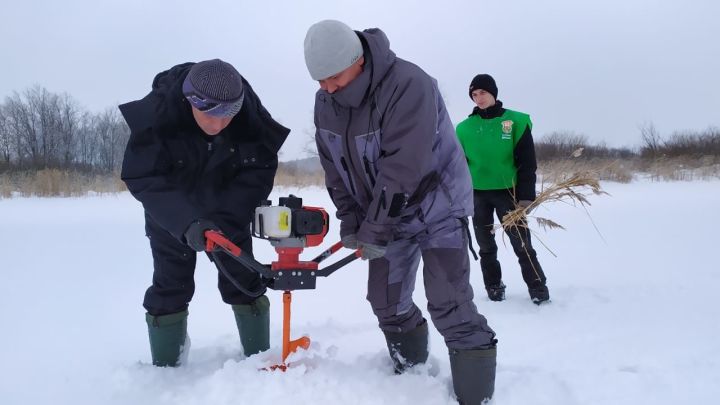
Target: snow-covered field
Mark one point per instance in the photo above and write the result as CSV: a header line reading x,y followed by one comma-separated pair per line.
x,y
634,317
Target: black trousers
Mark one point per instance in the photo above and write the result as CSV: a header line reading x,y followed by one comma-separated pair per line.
x,y
500,202
173,283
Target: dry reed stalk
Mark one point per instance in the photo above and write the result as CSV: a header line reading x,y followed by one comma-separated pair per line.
x,y
573,190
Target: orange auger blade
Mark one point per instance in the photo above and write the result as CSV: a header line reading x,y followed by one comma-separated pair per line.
x,y
289,346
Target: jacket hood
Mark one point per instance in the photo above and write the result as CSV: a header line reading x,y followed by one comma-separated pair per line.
x,y
164,107
378,61
381,57
171,108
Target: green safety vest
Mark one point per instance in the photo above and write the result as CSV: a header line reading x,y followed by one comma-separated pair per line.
x,y
489,146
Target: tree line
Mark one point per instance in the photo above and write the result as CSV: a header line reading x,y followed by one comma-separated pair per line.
x,y
44,130
692,144
40,129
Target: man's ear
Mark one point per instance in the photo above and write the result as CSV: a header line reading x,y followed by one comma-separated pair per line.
x,y
361,61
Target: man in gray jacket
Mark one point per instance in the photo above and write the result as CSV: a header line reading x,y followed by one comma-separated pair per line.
x,y
398,177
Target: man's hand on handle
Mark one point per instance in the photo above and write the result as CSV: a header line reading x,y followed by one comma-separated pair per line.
x,y
195,233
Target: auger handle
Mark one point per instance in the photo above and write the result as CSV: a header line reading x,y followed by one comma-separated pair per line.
x,y
217,241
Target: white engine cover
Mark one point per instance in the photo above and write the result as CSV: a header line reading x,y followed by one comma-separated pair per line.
x,y
276,221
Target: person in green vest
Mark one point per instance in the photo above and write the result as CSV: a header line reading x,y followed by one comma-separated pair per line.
x,y
500,152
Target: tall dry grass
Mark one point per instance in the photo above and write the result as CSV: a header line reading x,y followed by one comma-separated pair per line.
x,y
57,183
685,168
63,183
6,187
60,183
304,179
682,168
615,170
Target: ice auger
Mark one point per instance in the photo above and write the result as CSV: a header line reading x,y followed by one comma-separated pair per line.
x,y
290,227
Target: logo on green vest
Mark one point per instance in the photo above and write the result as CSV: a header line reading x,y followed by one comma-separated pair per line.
x,y
507,129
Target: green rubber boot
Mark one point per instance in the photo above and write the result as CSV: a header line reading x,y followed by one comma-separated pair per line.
x,y
408,349
473,375
168,338
253,322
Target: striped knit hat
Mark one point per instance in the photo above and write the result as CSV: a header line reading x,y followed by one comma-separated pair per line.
x,y
214,87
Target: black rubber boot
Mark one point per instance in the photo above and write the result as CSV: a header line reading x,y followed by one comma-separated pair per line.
x,y
473,375
409,348
253,323
168,338
539,294
496,292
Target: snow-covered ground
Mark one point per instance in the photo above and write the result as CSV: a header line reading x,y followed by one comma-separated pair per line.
x,y
634,317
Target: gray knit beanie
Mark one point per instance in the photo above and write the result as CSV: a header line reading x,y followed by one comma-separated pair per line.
x,y
330,47
214,87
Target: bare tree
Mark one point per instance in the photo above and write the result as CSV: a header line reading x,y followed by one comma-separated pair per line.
x,y
692,143
68,126
86,145
559,145
39,129
21,129
652,141
34,124
112,135
310,147
5,139
43,110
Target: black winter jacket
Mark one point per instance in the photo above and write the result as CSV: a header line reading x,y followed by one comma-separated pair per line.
x,y
180,174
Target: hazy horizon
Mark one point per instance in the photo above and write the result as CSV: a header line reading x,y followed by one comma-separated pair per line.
x,y
601,69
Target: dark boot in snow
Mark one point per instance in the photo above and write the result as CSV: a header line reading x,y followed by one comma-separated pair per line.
x,y
409,348
253,322
539,294
496,292
473,375
168,338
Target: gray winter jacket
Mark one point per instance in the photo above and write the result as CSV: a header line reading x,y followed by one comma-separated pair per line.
x,y
392,161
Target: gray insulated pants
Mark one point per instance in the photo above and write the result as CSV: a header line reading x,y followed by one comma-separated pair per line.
x,y
446,271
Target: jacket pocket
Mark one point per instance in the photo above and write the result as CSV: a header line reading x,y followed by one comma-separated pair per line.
x,y
368,148
333,143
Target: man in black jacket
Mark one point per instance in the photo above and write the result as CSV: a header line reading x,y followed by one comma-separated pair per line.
x,y
500,153
202,155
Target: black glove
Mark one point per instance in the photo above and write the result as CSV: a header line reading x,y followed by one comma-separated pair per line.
x,y
195,233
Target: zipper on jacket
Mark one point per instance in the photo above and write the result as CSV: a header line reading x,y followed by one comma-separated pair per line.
x,y
347,172
344,162
347,150
368,170
381,203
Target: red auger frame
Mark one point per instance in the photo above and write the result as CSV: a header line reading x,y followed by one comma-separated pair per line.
x,y
287,273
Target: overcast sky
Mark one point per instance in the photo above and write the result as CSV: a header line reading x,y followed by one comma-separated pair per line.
x,y
598,68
